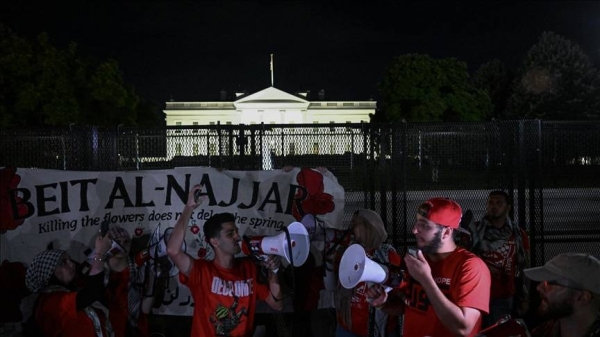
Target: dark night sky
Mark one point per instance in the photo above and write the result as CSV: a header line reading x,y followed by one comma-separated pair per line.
x,y
190,50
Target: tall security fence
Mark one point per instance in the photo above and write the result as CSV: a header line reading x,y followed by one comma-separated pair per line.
x,y
551,169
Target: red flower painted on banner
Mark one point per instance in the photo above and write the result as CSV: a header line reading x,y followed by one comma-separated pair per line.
x,y
315,201
9,180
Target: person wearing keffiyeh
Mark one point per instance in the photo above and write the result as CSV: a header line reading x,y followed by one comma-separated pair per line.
x,y
63,309
124,289
504,247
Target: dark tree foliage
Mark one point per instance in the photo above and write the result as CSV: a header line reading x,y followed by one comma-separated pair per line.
x,y
494,78
557,82
419,88
43,85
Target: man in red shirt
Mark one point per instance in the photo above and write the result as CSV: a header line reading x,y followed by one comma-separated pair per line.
x,y
448,287
225,289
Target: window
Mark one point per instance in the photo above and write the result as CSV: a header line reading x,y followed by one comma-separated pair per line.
x,y
195,124
331,128
196,149
315,148
212,149
178,149
178,124
292,149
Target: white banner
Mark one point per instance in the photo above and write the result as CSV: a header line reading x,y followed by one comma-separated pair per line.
x,y
65,208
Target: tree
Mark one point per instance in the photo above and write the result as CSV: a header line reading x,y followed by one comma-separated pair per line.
x,y
493,78
420,88
43,85
557,82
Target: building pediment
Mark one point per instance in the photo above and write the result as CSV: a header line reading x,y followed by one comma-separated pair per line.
x,y
272,98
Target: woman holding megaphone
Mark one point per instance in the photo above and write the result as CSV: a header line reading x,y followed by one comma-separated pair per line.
x,y
354,315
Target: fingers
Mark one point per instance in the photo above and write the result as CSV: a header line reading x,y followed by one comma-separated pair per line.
x,y
272,262
376,295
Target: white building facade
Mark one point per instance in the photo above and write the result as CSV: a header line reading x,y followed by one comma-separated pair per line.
x,y
268,106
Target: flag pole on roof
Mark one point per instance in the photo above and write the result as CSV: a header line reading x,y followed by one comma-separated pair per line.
x,y
272,80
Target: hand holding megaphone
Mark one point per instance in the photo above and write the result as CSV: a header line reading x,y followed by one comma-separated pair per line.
x,y
356,267
377,295
295,250
268,261
272,262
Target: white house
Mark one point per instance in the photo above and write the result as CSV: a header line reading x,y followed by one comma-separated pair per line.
x,y
268,106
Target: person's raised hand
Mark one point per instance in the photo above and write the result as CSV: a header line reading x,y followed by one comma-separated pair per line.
x,y
194,197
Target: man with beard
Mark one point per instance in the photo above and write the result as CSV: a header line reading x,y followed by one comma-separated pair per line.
x,y
225,290
448,286
570,296
504,247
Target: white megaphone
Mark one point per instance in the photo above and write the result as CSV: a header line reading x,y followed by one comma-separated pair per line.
x,y
157,248
278,244
356,267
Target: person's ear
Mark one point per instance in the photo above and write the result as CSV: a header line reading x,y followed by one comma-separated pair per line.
x,y
214,242
585,296
447,232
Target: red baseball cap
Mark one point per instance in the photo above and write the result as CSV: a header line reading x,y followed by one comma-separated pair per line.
x,y
442,211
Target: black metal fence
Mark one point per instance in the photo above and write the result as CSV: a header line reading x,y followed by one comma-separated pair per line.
x,y
551,169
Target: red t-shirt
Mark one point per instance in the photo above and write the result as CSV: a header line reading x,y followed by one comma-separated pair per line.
x,y
118,306
56,315
359,307
502,263
224,299
463,278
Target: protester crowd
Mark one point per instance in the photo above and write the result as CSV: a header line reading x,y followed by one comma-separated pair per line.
x,y
463,278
